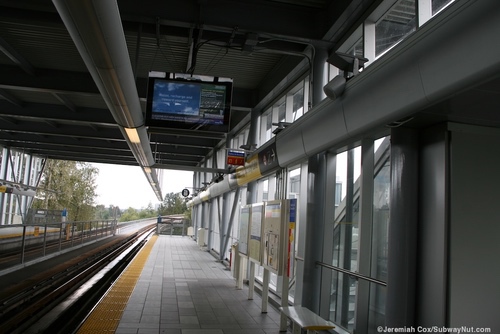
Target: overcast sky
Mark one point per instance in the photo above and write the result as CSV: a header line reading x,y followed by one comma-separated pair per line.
x,y
127,186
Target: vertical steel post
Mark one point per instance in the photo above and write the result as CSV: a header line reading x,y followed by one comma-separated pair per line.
x,y
346,239
365,233
81,236
23,243
44,238
231,218
72,233
314,233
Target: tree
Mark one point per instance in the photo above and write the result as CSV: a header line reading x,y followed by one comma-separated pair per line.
x,y
103,213
148,212
172,204
129,215
70,185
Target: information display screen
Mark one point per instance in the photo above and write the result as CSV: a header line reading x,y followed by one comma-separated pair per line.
x,y
188,102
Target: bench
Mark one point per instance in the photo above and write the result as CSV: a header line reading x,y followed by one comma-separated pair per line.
x,y
302,317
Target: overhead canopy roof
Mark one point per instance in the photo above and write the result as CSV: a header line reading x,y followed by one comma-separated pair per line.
x,y
51,106
56,87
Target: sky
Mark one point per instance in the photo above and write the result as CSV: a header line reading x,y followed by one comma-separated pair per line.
x,y
127,186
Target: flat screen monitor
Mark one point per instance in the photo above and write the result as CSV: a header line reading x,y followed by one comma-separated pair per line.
x,y
183,101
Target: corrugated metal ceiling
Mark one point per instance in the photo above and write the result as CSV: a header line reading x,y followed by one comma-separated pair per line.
x,y
58,112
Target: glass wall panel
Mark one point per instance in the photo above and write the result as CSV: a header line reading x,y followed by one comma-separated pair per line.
x,y
438,5
399,21
294,183
298,104
282,112
381,204
266,124
265,189
269,125
357,49
353,45
345,238
376,315
343,300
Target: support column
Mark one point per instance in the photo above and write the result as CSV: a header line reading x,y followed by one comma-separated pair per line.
x,y
202,217
25,201
314,233
311,290
3,175
223,224
234,208
196,208
433,229
253,138
402,248
212,205
301,232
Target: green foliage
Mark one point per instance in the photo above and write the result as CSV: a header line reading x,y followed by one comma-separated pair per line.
x,y
172,204
70,185
134,214
130,214
148,212
103,213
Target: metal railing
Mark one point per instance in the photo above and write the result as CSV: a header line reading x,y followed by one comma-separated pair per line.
x,y
21,243
351,273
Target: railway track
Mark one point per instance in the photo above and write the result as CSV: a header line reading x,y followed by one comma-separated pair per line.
x,y
21,311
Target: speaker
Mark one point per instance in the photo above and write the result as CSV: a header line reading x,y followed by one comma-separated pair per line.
x,y
335,87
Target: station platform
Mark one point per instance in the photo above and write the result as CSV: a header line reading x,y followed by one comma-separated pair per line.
x,y
174,287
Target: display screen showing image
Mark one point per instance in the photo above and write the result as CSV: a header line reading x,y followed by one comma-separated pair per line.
x,y
188,104
176,98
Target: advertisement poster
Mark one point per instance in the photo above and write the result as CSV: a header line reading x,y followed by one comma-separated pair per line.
x,y
257,165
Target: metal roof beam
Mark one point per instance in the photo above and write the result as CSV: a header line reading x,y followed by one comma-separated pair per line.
x,y
50,81
64,100
11,98
16,58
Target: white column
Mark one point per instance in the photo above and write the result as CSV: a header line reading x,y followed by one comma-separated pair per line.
x,y
369,41
424,11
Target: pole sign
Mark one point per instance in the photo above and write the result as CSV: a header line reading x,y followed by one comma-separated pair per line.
x,y
235,158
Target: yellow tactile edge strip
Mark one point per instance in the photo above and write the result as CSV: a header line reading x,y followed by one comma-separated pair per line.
x,y
107,314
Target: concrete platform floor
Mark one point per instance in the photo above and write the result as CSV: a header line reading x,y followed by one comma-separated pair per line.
x,y
184,290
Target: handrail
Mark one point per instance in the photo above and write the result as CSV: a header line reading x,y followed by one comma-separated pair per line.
x,y
351,273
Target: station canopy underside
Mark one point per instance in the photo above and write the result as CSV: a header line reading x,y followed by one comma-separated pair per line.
x,y
50,104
